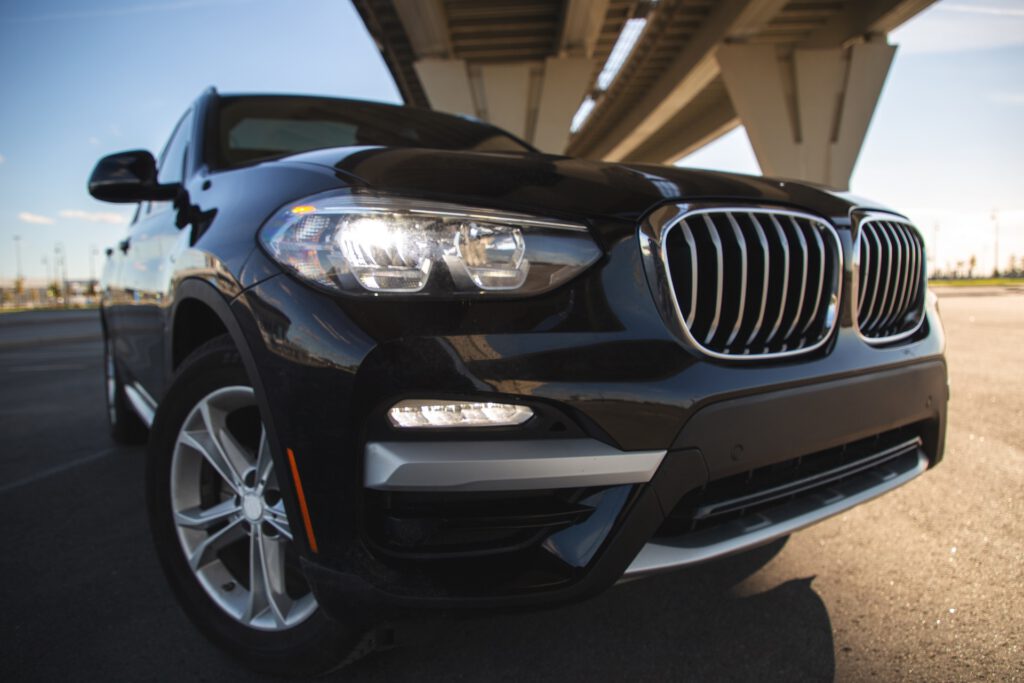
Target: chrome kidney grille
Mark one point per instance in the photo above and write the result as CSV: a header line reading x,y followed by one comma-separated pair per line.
x,y
746,283
890,279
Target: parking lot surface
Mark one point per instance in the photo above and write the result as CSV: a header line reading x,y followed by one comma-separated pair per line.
x,y
926,583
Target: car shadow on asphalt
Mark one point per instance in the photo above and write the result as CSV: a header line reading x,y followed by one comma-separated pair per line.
x,y
687,625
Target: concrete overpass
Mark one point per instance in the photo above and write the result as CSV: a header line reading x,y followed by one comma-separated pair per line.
x,y
652,80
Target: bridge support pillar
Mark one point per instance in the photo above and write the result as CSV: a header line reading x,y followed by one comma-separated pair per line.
x,y
806,110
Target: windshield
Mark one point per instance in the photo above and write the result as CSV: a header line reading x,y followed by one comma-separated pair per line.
x,y
264,127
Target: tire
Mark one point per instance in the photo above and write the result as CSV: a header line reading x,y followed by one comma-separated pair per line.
x,y
215,508
126,427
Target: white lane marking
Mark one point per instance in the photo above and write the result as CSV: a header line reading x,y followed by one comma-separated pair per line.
x,y
58,469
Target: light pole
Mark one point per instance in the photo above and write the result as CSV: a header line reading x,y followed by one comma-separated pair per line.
x,y
17,255
995,230
56,271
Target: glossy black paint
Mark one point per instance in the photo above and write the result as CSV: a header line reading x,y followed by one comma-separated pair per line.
x,y
594,356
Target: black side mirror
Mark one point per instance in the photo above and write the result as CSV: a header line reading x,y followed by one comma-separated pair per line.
x,y
129,177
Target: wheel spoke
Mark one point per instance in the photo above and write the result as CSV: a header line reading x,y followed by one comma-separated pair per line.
x,y
274,564
207,550
278,518
232,452
267,578
199,518
264,461
201,443
258,603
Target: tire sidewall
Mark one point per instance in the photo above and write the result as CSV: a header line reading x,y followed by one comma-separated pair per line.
x,y
314,645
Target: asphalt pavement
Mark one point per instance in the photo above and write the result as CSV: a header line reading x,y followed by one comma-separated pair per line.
x,y
926,583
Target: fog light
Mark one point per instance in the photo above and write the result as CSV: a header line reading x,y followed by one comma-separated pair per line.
x,y
442,414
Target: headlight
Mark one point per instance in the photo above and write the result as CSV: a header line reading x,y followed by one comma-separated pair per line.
x,y
361,244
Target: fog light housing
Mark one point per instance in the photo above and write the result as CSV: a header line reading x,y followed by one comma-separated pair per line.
x,y
448,414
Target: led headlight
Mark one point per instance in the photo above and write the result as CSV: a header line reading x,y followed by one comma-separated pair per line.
x,y
361,244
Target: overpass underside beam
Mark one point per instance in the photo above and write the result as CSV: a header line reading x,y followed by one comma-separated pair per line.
x,y
806,110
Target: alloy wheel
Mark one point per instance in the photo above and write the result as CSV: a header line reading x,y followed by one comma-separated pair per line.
x,y
229,515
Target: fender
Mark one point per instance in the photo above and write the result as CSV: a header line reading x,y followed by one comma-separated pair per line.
x,y
196,289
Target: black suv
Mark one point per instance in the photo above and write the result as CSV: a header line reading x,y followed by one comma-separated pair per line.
x,y
390,359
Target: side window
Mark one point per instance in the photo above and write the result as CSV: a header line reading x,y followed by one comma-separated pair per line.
x,y
171,165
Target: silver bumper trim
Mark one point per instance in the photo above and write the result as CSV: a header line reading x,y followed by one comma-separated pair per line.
x,y
503,465
747,532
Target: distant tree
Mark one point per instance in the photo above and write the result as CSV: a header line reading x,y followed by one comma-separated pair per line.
x,y
970,266
1013,265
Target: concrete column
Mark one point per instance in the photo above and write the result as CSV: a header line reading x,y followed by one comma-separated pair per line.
x,y
806,111
507,89
446,82
565,82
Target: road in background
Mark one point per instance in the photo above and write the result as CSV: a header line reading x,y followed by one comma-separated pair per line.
x,y
922,584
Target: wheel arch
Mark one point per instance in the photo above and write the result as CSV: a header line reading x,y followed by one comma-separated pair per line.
x,y
197,299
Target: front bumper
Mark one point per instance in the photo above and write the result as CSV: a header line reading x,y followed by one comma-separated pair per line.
x,y
652,433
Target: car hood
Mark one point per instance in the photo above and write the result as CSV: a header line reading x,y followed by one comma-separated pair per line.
x,y
563,186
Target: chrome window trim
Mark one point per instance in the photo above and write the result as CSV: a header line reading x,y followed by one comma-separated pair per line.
x,y
653,235
860,218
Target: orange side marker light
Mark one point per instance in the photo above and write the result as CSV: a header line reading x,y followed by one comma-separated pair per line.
x,y
302,502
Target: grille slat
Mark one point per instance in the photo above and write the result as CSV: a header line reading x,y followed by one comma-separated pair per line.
x,y
865,264
688,235
716,240
784,242
876,304
754,283
903,274
890,291
820,284
743,269
897,271
764,280
805,271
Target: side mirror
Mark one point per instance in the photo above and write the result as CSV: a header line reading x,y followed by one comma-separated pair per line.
x,y
129,177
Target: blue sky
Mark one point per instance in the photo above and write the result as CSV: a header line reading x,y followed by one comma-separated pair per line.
x,y
80,80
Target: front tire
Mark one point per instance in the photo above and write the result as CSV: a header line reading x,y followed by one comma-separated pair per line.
x,y
220,528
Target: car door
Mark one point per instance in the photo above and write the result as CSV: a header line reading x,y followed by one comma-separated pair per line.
x,y
114,290
145,272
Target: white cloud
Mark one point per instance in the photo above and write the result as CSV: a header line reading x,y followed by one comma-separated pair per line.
x,y
35,218
2,158
985,9
93,140
94,216
963,26
1016,98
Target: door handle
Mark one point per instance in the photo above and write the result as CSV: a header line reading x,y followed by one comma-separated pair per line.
x,y
124,244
